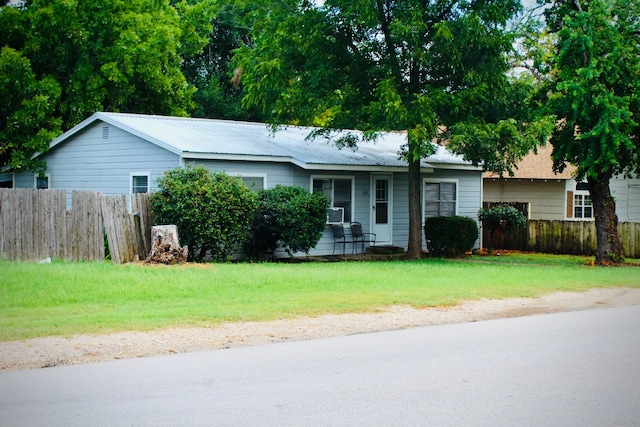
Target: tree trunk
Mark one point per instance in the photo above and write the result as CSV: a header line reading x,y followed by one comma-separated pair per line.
x,y
610,248
414,249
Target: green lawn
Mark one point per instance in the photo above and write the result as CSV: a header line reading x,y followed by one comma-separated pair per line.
x,y
70,298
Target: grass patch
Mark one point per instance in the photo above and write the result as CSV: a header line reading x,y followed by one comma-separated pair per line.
x,y
71,298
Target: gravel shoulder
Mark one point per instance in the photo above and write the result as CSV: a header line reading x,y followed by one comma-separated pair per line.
x,y
55,351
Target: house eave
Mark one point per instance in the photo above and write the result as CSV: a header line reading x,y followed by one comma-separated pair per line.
x,y
300,164
363,168
451,166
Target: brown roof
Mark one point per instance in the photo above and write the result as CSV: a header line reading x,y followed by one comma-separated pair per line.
x,y
537,166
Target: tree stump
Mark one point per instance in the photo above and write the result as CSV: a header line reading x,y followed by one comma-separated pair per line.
x,y
165,247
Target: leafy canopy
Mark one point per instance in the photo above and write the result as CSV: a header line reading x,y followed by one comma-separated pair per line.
x,y
595,89
64,60
415,66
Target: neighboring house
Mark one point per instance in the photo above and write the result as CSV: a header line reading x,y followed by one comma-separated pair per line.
x,y
126,153
550,196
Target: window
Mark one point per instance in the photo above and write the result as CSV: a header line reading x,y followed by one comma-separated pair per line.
x,y
42,182
255,183
579,204
139,183
339,192
582,206
439,199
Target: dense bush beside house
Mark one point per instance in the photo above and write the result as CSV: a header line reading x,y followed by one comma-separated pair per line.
x,y
450,236
500,218
287,216
212,211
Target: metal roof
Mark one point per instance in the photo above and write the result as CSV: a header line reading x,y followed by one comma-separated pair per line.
x,y
224,139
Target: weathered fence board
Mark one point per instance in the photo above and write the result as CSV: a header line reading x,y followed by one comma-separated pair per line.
x,y
141,208
566,237
35,224
123,231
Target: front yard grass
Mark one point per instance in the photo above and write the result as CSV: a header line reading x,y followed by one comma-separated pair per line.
x,y
73,298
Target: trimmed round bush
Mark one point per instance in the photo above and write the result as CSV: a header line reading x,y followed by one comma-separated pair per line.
x,y
450,236
499,218
287,216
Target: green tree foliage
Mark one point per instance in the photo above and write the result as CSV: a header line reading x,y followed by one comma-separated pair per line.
x,y
500,218
594,90
80,57
287,216
28,116
450,236
220,28
389,65
213,211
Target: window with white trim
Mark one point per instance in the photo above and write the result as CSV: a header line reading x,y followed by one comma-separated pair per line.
x,y
139,183
255,183
579,204
339,192
42,182
582,205
440,198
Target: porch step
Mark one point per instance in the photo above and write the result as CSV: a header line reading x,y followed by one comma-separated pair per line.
x,y
385,250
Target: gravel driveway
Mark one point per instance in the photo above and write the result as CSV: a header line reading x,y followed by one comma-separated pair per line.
x,y
54,351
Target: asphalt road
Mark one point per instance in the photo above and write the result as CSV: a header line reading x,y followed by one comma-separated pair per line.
x,y
567,369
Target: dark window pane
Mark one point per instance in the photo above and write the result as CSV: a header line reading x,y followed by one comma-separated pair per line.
x,y
42,183
140,184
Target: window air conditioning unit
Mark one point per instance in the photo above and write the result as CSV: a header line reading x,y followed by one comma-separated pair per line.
x,y
335,215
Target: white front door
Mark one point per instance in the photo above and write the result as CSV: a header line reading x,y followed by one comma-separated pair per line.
x,y
381,209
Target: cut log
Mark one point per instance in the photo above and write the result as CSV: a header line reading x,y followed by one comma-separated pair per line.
x,y
165,246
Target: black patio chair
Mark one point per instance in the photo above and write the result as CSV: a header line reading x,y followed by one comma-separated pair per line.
x,y
360,237
339,237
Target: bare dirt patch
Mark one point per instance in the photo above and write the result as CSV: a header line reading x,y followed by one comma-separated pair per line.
x,y
55,351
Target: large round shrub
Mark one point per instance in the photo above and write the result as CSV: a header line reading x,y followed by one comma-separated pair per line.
x,y
450,236
287,216
213,211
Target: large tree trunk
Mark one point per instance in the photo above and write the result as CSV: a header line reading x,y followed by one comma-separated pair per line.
x,y
414,249
610,248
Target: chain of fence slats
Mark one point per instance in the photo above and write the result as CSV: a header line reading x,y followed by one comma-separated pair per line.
x,y
35,225
565,237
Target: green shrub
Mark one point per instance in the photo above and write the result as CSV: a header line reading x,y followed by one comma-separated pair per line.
x,y
500,218
450,236
287,216
213,211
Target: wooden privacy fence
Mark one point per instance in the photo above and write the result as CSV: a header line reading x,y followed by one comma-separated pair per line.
x,y
565,237
35,225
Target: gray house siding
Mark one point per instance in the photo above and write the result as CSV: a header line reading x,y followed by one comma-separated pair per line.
x,y
361,201
94,163
24,180
274,173
469,199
